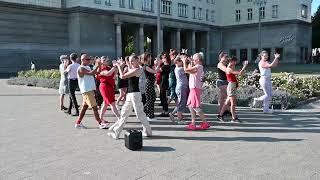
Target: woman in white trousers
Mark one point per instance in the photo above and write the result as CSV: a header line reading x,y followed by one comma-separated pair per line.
x,y
133,100
265,79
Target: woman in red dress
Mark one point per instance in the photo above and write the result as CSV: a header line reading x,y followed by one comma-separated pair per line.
x,y
106,77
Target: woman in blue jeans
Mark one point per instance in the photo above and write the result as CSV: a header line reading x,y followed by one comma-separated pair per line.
x,y
182,91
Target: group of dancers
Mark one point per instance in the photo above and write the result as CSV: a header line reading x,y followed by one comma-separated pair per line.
x,y
177,76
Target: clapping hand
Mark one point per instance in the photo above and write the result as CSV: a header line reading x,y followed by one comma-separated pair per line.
x,y
98,62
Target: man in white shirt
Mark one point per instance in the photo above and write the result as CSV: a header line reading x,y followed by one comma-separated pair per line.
x,y
73,83
87,86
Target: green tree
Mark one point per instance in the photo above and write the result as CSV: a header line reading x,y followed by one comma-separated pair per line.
x,y
129,45
316,29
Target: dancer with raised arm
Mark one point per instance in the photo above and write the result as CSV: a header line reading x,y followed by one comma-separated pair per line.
x,y
87,86
265,80
222,82
133,100
106,76
231,101
182,91
195,69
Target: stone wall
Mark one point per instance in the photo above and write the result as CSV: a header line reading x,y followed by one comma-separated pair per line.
x,y
28,34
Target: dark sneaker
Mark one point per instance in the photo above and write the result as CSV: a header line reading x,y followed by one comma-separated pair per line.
x,y
220,118
164,115
227,113
236,120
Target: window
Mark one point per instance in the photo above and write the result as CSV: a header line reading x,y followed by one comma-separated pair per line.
x,y
212,1
97,1
207,14
262,12
166,7
250,14
243,55
200,13
249,0
304,11
182,10
254,55
275,11
131,4
107,3
122,3
238,1
212,16
194,12
147,5
238,15
233,53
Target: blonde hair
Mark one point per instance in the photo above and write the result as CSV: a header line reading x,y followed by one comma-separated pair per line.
x,y
262,52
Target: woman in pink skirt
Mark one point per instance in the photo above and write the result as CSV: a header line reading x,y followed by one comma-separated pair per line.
x,y
195,69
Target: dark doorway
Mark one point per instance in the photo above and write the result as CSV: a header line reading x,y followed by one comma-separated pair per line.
x,y
243,55
254,55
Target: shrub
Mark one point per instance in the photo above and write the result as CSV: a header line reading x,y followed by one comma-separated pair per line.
x,y
289,89
45,74
34,81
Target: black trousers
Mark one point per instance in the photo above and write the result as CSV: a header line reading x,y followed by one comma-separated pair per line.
x,y
143,99
73,85
163,98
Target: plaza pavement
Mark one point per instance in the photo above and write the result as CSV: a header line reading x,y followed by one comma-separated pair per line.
x,y
37,141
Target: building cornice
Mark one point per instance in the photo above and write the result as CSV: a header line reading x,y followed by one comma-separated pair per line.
x,y
32,7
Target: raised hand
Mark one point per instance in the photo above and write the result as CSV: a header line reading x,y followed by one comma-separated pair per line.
x,y
276,56
245,63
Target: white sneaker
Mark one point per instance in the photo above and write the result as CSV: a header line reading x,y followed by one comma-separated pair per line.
x,y
146,135
103,125
172,118
112,126
182,122
153,119
80,126
269,111
113,135
254,102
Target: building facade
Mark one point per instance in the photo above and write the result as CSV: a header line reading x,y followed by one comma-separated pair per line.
x,y
41,30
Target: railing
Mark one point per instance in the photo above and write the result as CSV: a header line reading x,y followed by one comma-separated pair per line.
x,y
46,3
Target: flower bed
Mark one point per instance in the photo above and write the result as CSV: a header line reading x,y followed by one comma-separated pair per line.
x,y
41,78
288,89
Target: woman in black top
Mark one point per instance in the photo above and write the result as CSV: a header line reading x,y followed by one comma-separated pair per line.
x,y
164,85
222,82
122,84
150,81
133,100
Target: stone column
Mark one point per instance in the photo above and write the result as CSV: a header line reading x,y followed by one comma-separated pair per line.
x,y
249,56
161,39
208,48
238,54
178,43
141,39
193,42
118,40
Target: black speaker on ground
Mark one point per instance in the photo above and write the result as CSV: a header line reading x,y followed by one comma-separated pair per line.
x,y
133,140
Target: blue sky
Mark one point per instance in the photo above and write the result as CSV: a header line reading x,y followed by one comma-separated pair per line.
x,y
315,5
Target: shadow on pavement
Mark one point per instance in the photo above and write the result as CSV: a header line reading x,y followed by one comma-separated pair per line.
x,y
157,149
248,139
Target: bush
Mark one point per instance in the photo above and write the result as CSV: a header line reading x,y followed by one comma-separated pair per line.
x,y
34,81
44,74
289,89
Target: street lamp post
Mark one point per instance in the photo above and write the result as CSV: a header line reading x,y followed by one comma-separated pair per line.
x,y
259,4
